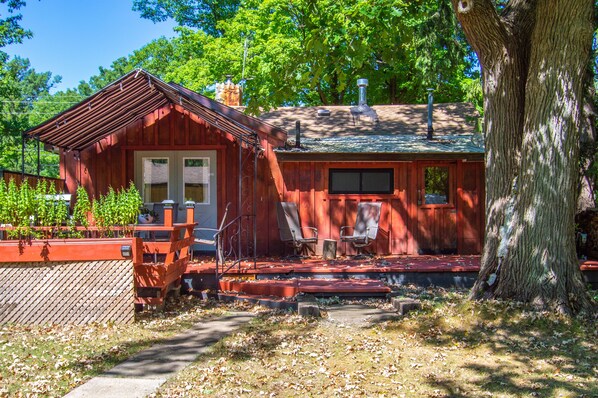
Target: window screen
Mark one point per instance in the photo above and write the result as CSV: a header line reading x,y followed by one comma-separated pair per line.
x,y
196,179
361,181
155,179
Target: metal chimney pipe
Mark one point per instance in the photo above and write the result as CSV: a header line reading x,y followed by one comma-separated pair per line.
x,y
430,113
298,134
362,84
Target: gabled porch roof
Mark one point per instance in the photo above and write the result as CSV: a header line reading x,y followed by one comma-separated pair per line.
x,y
132,97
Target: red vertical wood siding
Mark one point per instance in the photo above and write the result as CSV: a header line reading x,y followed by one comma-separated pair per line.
x,y
404,227
470,207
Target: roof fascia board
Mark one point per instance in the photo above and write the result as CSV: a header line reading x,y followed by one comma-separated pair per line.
x,y
375,157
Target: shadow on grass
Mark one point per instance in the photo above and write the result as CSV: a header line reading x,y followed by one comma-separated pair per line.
x,y
546,354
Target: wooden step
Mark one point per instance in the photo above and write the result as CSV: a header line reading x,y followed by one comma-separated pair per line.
x,y
292,287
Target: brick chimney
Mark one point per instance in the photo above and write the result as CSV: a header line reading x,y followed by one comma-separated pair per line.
x,y
229,93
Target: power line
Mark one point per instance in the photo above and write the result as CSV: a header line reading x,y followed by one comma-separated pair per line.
x,y
29,113
40,102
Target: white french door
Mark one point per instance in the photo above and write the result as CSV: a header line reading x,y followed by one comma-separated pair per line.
x,y
180,176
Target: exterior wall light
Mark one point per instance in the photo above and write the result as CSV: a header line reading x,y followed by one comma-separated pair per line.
x,y
126,251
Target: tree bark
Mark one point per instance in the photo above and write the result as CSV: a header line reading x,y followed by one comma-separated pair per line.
x,y
533,55
587,181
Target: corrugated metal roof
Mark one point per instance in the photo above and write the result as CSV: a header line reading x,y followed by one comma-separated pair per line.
x,y
134,96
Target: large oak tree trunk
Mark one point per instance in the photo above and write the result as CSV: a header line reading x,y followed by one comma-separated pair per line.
x,y
533,56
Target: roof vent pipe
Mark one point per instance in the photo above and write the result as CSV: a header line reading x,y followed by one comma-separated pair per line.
x,y
430,113
362,84
298,134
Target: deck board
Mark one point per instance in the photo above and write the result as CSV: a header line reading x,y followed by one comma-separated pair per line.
x,y
348,265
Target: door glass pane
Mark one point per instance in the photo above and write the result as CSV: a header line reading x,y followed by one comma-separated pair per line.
x,y
196,179
155,179
436,185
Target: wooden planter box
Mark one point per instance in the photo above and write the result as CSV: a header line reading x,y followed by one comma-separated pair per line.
x,y
67,281
90,279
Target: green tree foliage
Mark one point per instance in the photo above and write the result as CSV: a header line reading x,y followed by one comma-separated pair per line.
x,y
308,52
311,52
20,87
11,31
202,14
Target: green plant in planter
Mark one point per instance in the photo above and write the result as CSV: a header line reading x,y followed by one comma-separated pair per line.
x,y
129,201
26,208
104,212
82,208
44,207
19,206
4,209
117,208
59,213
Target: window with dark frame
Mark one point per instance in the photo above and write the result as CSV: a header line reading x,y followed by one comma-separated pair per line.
x,y
361,181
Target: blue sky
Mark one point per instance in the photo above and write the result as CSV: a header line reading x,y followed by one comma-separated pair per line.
x,y
73,38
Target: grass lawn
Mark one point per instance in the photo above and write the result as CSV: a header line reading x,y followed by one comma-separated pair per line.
x,y
49,361
452,347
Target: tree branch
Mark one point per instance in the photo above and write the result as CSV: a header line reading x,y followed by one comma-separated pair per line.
x,y
483,27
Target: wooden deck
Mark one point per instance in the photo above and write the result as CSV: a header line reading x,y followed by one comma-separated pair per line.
x,y
206,265
286,278
371,277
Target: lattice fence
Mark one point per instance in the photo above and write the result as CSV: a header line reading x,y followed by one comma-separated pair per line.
x,y
67,292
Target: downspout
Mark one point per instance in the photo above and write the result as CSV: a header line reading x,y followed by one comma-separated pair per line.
x,y
255,157
240,199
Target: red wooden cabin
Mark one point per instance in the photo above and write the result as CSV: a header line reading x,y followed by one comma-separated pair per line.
x,y
176,144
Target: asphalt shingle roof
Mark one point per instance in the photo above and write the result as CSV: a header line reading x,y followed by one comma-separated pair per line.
x,y
393,129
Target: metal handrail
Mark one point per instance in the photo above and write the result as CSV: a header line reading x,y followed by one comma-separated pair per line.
x,y
234,237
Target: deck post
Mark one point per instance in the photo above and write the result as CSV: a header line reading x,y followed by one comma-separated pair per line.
x,y
168,210
190,217
190,220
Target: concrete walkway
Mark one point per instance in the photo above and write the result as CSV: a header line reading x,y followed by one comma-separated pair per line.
x,y
145,371
358,314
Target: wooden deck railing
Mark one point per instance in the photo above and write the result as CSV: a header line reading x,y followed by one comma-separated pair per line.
x,y
160,253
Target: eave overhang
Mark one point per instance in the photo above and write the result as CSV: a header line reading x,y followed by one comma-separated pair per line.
x,y
134,96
